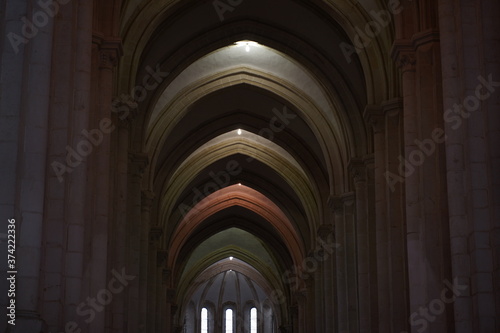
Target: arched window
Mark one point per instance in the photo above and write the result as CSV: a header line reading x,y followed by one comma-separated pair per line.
x,y
229,321
253,320
204,320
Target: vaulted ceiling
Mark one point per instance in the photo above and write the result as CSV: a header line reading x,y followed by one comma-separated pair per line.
x,y
252,127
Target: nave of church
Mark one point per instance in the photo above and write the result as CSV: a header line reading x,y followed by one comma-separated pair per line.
x,y
250,166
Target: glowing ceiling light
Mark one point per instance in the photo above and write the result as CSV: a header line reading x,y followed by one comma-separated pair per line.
x,y
239,131
230,258
239,184
247,44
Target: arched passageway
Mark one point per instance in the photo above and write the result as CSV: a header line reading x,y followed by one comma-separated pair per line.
x,y
252,166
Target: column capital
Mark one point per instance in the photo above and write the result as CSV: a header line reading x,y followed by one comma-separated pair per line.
x,y
403,54
107,59
374,115
369,161
125,108
348,198
171,299
138,163
324,231
165,276
155,234
423,38
110,50
357,169
161,258
147,200
335,203
393,107
123,124
301,295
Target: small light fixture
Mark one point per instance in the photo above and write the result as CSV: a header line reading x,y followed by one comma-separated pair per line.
x,y
247,44
239,131
230,258
239,184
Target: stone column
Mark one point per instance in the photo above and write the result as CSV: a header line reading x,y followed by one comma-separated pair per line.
x,y
375,116
147,201
348,200
319,295
396,217
369,164
358,172
119,239
166,302
76,215
341,272
303,323
12,61
172,307
32,160
100,136
161,299
294,318
154,244
137,164
471,96
55,242
327,257
424,172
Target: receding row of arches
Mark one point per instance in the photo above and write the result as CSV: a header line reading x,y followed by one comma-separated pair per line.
x,y
247,139
250,160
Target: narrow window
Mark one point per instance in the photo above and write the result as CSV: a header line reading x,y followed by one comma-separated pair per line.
x,y
204,320
229,321
253,320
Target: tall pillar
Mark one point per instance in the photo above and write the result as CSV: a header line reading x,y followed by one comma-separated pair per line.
x,y
348,200
171,306
119,239
358,172
107,52
165,302
471,98
369,164
31,163
76,272
329,297
341,273
396,218
424,168
55,239
147,201
375,117
319,297
137,164
154,244
161,300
